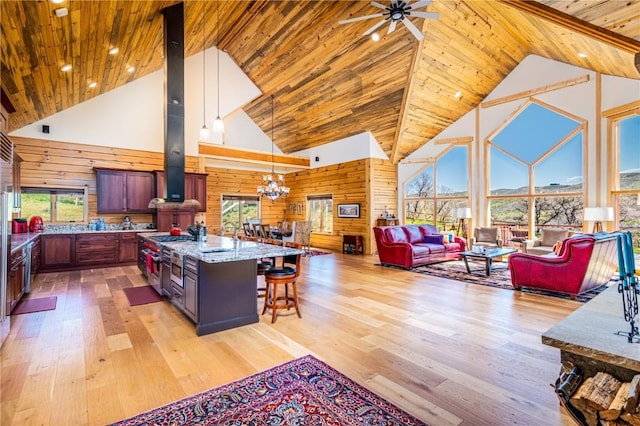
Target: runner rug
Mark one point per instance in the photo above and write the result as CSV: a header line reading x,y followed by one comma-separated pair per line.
x,y
305,391
500,278
141,295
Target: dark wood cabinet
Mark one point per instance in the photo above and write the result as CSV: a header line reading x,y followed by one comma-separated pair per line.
x,y
195,188
352,244
16,279
36,256
97,249
58,250
128,251
124,191
167,217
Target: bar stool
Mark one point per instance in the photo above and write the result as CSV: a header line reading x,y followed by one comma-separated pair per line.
x,y
282,276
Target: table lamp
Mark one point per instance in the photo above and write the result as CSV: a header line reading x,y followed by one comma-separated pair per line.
x,y
597,215
462,213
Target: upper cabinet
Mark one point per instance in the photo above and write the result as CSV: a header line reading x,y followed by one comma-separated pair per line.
x,y
124,191
195,188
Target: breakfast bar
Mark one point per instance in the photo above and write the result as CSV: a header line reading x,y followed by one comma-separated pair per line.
x,y
219,280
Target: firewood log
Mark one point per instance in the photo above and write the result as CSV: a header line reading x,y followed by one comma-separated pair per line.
x,y
604,390
579,398
617,405
631,406
632,419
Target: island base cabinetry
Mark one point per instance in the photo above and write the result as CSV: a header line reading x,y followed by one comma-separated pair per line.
x,y
226,295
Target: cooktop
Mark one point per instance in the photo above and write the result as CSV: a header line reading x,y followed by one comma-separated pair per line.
x,y
170,238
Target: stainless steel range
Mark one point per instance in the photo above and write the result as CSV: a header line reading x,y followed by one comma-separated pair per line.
x,y
153,255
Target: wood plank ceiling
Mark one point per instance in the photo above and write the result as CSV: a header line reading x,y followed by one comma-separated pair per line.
x,y
329,82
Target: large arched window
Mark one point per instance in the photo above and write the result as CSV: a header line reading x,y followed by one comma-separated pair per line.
x,y
535,169
439,188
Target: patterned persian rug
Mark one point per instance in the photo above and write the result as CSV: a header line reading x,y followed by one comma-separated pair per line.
x,y
305,391
500,278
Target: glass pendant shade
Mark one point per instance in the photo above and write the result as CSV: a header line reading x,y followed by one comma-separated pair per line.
x,y
218,125
204,133
273,188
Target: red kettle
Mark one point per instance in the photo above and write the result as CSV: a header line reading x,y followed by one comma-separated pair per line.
x,y
36,224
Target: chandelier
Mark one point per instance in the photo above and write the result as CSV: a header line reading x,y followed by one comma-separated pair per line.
x,y
272,185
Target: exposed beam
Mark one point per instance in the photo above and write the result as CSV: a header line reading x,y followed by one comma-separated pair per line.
x,y
537,91
463,140
415,60
418,160
577,25
235,154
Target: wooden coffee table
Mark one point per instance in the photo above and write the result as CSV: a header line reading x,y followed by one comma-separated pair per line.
x,y
487,256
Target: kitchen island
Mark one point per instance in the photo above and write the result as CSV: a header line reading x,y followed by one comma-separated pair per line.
x,y
219,288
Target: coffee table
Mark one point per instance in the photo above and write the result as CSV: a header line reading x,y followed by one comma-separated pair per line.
x,y
487,256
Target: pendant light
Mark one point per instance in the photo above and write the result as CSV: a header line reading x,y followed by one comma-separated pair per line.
x,y
218,124
204,131
272,186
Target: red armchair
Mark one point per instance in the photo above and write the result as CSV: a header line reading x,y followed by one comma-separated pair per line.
x,y
584,262
407,247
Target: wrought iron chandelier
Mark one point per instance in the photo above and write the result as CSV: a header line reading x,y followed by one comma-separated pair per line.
x,y
272,185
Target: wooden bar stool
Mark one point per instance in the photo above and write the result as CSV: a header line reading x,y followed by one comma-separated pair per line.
x,y
282,276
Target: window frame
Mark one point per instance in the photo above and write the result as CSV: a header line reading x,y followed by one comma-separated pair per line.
x,y
322,198
53,191
241,199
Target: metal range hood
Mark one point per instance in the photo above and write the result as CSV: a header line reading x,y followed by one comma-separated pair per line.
x,y
173,112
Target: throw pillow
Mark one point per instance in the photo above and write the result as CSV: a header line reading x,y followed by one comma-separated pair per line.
x,y
434,239
557,246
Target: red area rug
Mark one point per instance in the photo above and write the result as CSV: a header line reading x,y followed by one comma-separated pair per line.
x,y
141,295
305,391
28,306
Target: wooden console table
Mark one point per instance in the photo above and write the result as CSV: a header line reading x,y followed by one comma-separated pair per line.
x,y
382,221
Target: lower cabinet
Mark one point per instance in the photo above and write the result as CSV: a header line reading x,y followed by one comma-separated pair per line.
x,y
96,249
16,278
191,288
58,251
128,247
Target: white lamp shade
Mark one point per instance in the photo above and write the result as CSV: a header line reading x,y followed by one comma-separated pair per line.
x,y
218,125
462,213
598,214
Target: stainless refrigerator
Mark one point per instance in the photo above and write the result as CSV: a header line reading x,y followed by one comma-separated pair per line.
x,y
6,204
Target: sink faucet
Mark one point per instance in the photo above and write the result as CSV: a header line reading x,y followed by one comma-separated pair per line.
x,y
235,229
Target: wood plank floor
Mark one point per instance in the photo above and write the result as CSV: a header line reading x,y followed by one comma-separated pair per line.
x,y
448,352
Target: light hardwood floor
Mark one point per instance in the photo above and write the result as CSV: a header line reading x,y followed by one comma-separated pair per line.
x,y
448,352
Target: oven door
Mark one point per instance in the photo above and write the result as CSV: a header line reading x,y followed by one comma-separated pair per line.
x,y
153,267
177,269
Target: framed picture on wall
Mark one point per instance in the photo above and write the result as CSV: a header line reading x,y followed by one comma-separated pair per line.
x,y
348,210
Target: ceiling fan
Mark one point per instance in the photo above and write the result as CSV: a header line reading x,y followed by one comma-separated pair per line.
x,y
397,11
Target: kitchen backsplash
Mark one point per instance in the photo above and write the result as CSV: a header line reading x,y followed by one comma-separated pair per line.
x,y
84,227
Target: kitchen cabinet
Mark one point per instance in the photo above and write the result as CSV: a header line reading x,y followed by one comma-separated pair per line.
x,y
195,188
191,288
58,251
96,249
124,191
167,216
16,280
128,247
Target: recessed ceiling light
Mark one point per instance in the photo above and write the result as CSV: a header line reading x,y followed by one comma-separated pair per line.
x,y
65,67
375,36
57,1
92,84
113,50
582,55
458,94
63,11
131,69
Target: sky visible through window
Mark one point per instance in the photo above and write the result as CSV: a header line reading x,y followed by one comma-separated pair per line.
x,y
630,144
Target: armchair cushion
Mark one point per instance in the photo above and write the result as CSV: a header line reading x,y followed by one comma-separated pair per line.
x,y
550,236
487,234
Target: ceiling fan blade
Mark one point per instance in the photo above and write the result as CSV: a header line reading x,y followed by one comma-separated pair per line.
x,y
360,18
428,15
378,5
420,3
392,27
375,27
414,30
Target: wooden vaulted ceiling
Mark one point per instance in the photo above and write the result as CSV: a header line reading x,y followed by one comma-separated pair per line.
x,y
328,81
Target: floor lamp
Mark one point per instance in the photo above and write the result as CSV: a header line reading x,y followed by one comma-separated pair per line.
x,y
597,215
462,214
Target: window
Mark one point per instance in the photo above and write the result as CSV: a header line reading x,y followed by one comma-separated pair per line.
x,y
535,172
320,209
239,210
441,187
55,205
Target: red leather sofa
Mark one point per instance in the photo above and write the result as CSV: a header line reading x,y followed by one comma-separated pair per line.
x,y
583,262
408,246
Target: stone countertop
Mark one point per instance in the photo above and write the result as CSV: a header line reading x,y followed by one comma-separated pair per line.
x,y
590,332
20,240
222,249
